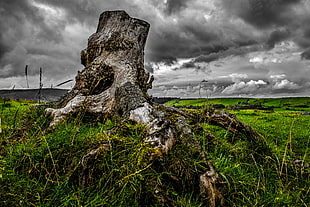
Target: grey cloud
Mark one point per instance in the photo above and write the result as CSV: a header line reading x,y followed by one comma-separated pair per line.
x,y
28,29
304,40
12,13
190,64
22,24
4,47
263,13
88,11
82,11
186,41
306,54
285,84
14,60
207,58
201,59
273,86
162,47
175,6
243,87
307,32
277,36
194,37
289,17
199,31
198,67
280,83
237,50
16,14
169,42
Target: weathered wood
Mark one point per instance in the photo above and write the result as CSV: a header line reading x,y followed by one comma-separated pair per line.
x,y
114,80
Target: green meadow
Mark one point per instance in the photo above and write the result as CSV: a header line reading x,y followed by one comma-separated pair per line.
x,y
42,168
279,104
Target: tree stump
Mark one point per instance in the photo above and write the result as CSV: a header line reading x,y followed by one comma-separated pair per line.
x,y
114,84
113,81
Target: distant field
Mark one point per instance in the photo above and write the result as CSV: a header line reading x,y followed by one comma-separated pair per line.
x,y
288,117
278,104
46,94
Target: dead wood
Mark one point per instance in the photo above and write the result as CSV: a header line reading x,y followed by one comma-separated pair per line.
x,y
114,85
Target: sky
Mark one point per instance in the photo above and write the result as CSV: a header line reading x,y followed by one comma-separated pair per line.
x,y
195,48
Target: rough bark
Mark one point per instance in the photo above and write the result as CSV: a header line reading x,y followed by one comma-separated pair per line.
x,y
113,80
114,84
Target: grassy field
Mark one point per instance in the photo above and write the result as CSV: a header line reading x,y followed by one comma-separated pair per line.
x,y
279,104
40,168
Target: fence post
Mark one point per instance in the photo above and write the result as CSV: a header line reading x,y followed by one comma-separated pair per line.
x,y
41,85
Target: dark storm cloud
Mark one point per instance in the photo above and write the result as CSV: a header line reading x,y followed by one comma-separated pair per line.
x,y
15,14
12,13
170,49
33,33
201,59
191,38
307,32
304,40
213,56
81,11
20,24
191,35
175,6
277,36
306,54
4,47
200,32
190,64
88,11
207,58
290,18
263,13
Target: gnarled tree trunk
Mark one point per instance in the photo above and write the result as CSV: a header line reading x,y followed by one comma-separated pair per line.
x,y
113,80
114,84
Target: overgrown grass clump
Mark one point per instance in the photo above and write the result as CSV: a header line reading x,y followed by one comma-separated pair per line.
x,y
44,168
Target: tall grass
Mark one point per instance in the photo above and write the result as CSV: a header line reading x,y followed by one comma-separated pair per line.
x,y
40,168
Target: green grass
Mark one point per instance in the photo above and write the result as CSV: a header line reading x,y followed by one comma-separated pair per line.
x,y
202,102
39,168
271,180
280,104
11,111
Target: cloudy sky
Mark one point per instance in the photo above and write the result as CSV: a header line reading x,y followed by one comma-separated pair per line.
x,y
214,48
